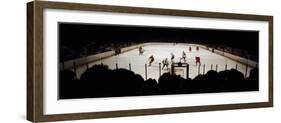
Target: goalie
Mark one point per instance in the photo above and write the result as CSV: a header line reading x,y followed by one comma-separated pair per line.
x,y
165,63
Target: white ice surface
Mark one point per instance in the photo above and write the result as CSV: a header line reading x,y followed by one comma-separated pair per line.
x,y
162,51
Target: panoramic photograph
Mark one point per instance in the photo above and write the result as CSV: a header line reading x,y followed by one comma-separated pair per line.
x,y
107,60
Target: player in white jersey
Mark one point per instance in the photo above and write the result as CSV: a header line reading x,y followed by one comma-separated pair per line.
x,y
151,60
183,56
172,57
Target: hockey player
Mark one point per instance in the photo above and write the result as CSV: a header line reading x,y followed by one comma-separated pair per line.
x,y
197,60
140,50
172,57
165,63
197,48
183,56
190,49
150,60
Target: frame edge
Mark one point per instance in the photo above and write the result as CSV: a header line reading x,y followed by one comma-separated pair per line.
x,y
157,111
270,67
145,10
30,85
35,63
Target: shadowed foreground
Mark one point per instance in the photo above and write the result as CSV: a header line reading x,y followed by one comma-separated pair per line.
x,y
100,81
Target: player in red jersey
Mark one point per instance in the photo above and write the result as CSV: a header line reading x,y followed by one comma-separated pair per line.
x,y
190,49
197,48
197,60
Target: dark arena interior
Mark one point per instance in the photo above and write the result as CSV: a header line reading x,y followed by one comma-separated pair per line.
x,y
79,41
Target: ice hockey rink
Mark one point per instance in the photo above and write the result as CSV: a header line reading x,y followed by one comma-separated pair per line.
x,y
135,62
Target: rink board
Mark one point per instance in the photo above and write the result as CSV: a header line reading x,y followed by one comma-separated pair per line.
x,y
131,59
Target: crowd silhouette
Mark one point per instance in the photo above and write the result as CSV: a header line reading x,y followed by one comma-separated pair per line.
x,y
100,81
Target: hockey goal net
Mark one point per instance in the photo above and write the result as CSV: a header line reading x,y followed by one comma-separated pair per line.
x,y
180,69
